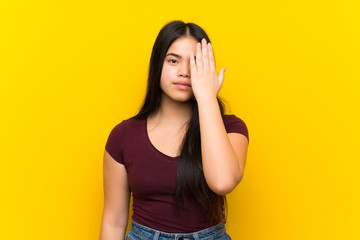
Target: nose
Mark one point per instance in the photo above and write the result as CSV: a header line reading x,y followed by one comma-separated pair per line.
x,y
184,70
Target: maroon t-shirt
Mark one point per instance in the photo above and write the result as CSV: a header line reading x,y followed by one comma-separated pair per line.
x,y
152,177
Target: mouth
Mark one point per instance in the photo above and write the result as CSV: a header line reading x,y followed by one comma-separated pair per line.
x,y
182,85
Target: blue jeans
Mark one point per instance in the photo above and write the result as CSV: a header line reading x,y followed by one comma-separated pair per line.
x,y
140,232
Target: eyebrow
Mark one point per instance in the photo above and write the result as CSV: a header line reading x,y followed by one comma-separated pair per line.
x,y
173,54
176,55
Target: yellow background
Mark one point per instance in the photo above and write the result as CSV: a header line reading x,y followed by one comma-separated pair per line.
x,y
71,70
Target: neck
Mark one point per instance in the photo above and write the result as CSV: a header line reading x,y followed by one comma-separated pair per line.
x,y
174,112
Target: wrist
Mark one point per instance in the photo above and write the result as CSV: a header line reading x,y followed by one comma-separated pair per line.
x,y
206,100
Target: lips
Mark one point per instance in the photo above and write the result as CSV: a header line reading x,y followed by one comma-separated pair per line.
x,y
183,83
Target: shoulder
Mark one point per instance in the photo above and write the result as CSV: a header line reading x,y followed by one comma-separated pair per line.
x,y
120,132
234,124
126,124
232,119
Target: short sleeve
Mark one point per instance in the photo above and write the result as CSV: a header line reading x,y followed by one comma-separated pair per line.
x,y
115,142
233,124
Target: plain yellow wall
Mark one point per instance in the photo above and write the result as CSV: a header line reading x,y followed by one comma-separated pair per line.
x,y
71,70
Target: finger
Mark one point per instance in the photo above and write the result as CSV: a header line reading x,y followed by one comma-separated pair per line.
x,y
211,58
221,76
205,57
192,64
199,64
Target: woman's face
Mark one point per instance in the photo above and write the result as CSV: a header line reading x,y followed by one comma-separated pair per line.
x,y
175,75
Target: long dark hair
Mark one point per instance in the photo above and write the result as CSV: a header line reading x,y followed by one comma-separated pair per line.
x,y
190,176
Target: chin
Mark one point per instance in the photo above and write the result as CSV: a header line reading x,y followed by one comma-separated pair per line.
x,y
183,98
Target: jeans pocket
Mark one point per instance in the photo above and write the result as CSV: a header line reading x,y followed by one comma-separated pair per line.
x,y
135,235
226,237
223,236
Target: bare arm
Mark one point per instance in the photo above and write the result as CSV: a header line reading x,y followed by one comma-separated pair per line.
x,y
223,154
116,200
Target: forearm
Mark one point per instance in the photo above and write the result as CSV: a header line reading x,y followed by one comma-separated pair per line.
x,y
111,232
113,226
220,165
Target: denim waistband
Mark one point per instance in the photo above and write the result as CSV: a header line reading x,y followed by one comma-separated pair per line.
x,y
144,232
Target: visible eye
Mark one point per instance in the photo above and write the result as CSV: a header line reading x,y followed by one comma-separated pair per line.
x,y
171,61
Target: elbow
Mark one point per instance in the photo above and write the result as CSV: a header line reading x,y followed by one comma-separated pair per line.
x,y
226,186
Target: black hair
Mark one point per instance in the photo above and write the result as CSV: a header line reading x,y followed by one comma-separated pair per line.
x,y
190,175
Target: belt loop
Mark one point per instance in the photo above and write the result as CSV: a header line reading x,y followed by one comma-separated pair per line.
x,y
156,236
196,236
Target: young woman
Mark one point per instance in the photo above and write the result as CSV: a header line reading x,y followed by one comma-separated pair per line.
x,y
180,155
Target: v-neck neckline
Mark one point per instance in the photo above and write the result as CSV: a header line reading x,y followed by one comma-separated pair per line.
x,y
152,145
